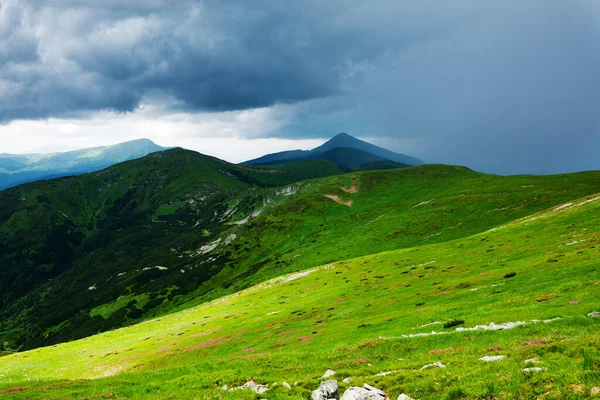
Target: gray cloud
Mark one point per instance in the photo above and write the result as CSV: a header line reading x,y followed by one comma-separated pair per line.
x,y
503,86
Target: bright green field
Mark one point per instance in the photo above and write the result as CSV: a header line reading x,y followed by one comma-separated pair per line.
x,y
350,316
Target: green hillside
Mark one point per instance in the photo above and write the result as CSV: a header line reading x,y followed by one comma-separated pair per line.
x,y
357,317
176,229
72,244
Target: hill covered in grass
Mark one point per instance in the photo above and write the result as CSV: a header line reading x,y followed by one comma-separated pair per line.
x,y
375,319
176,229
17,169
70,245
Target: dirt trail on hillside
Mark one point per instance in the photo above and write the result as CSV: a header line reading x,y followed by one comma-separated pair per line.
x,y
337,199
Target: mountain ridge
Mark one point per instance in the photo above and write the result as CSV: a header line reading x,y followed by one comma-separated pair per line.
x,y
341,140
18,169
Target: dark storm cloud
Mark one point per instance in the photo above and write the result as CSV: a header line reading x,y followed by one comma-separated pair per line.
x,y
62,57
510,87
499,85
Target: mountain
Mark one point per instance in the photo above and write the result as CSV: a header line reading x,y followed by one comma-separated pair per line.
x,y
346,151
16,169
175,229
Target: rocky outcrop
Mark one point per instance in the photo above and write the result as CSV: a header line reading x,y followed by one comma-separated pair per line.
x,y
367,392
327,390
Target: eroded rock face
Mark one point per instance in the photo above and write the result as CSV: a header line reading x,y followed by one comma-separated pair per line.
x,y
367,392
327,390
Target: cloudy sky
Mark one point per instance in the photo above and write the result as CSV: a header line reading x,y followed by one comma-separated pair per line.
x,y
504,86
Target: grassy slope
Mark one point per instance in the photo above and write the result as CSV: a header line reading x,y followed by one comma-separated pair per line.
x,y
348,315
59,238
390,210
162,221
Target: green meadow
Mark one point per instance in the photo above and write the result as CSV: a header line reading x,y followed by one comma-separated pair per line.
x,y
361,315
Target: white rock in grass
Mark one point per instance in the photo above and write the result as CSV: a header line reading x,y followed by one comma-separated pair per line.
x,y
404,397
492,358
534,369
367,392
329,373
255,387
594,314
434,365
347,380
532,361
327,390
286,385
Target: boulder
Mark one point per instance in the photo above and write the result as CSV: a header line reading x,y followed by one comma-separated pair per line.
x,y
367,392
327,390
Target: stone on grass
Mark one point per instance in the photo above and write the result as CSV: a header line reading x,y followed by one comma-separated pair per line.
x,y
436,364
255,387
533,369
594,314
492,358
533,361
286,385
329,373
404,397
347,380
367,392
327,390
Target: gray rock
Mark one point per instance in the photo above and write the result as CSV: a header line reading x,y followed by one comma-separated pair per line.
x,y
434,365
367,392
347,380
328,374
255,387
533,361
594,314
286,385
534,369
492,358
404,397
327,390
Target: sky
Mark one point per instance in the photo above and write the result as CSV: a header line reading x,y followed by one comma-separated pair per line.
x,y
501,86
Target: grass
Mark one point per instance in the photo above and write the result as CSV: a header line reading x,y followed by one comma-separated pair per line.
x,y
216,229
351,315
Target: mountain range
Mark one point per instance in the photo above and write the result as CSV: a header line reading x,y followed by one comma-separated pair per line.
x,y
16,169
220,274
344,150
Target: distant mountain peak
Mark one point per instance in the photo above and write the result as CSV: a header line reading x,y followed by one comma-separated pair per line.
x,y
340,141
